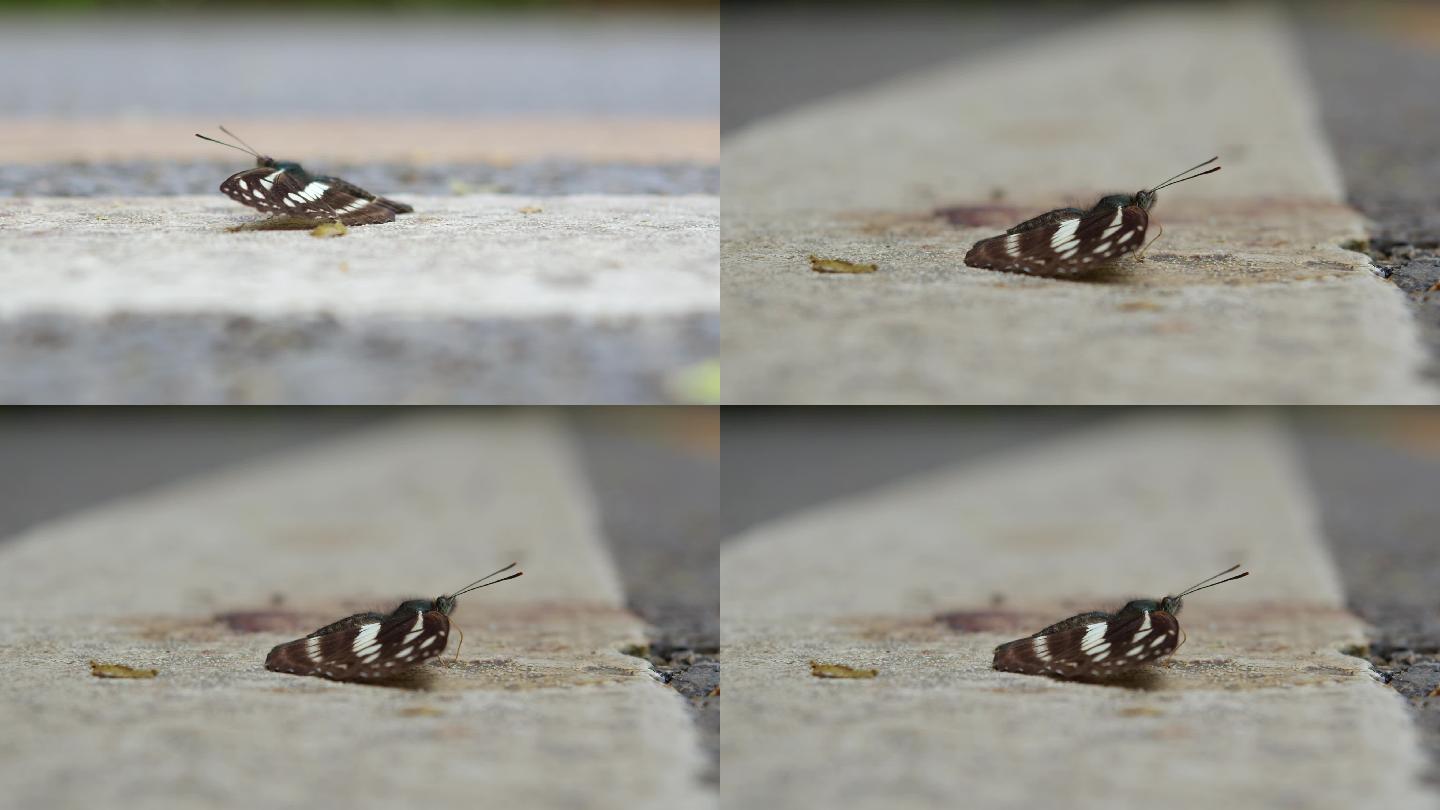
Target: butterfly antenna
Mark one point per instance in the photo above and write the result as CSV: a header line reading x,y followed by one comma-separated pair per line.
x,y
1200,586
248,150
248,146
1180,178
481,583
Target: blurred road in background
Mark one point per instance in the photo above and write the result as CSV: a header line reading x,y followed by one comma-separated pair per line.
x,y
315,64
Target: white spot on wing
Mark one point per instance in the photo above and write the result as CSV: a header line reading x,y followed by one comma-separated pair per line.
x,y
415,629
312,648
1114,223
1042,648
1064,232
1012,244
1094,634
269,180
366,636
314,190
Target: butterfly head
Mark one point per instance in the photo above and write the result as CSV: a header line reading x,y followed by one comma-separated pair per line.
x,y
446,603
1144,199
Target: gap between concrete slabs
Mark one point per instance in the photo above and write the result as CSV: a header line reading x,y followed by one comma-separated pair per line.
x,y
199,579
477,299
921,579
1249,297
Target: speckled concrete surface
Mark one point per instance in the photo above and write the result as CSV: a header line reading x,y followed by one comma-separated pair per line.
x,y
860,176
478,299
921,578
199,579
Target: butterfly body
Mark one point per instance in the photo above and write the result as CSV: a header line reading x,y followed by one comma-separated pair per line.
x,y
1098,644
1068,241
284,188
373,646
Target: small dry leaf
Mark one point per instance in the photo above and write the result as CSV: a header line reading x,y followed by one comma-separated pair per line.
x,y
820,265
714,692
531,209
1434,692
100,670
421,711
328,229
1140,711
820,670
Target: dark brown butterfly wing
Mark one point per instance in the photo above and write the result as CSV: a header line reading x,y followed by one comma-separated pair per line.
x,y
365,646
1063,242
1093,648
278,191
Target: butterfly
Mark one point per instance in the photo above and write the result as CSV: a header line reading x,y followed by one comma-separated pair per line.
x,y
1068,240
1099,644
285,188
370,646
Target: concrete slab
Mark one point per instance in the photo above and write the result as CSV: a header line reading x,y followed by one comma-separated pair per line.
x,y
1249,297
198,580
921,580
485,298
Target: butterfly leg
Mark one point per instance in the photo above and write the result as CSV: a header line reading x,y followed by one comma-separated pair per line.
x,y
461,642
1140,257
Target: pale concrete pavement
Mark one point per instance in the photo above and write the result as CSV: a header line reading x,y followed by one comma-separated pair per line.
x,y
477,299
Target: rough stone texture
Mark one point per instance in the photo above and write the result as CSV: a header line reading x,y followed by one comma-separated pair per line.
x,y
668,559
1249,297
921,579
590,299
1374,69
200,579
1374,472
